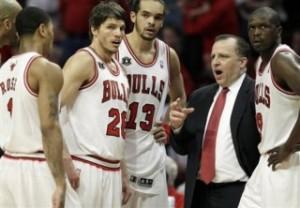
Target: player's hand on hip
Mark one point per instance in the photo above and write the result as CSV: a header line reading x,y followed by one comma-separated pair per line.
x,y
72,173
278,155
58,198
178,114
126,191
74,178
159,133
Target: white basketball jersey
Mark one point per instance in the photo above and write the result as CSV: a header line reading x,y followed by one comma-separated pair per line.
x,y
19,121
149,84
95,125
276,109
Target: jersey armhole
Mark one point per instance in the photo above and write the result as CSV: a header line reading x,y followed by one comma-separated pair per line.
x,y
26,74
91,81
117,56
277,86
168,63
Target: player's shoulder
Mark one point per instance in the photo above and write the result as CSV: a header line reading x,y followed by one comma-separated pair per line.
x,y
283,56
82,58
42,69
81,65
172,52
42,64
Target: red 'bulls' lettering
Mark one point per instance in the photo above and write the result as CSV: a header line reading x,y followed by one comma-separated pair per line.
x,y
112,90
262,94
141,83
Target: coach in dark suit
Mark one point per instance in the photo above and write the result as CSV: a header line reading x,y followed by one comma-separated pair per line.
x,y
218,130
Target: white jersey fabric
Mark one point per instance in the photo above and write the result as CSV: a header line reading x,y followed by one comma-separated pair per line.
x,y
149,84
96,122
276,115
19,123
276,109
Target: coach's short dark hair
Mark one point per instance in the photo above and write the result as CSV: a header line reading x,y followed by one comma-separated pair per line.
x,y
135,5
242,47
29,19
105,10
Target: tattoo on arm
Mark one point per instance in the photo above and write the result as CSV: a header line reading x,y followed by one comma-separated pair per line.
x,y
53,111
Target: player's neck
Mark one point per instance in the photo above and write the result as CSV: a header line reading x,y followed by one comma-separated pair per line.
x,y
103,54
27,45
267,54
139,44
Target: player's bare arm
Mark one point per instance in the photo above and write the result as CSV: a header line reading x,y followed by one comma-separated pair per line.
x,y
46,79
176,81
78,70
176,92
286,71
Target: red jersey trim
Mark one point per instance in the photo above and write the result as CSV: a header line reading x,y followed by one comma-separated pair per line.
x,y
168,62
260,69
39,159
26,74
113,72
156,44
95,77
117,56
280,88
98,162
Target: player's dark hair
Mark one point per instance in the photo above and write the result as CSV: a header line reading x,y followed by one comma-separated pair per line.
x,y
135,5
105,10
29,19
242,47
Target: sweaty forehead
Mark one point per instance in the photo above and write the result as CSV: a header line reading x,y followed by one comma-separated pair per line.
x,y
260,18
226,46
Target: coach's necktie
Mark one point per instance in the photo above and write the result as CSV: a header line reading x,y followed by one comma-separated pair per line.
x,y
207,165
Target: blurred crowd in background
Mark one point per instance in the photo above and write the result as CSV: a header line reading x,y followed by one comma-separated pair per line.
x,y
190,28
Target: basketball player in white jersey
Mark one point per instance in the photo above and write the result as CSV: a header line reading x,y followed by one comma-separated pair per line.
x,y
152,69
93,109
32,173
276,180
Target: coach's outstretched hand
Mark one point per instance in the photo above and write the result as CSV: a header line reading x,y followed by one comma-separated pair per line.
x,y
178,114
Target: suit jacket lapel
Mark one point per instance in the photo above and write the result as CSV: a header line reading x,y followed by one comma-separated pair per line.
x,y
205,103
239,107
